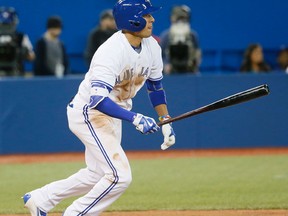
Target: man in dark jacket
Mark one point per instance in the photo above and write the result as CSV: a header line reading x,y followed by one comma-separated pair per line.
x,y
51,57
100,34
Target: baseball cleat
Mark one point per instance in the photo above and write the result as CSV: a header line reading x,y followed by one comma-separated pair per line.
x,y
29,203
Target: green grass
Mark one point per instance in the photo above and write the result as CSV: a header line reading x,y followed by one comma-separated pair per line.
x,y
246,182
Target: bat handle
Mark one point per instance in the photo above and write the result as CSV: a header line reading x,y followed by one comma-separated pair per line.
x,y
164,122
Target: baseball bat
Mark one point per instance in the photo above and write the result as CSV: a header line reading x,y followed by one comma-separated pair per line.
x,y
240,97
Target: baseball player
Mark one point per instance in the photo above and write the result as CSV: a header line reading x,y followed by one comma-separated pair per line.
x,y
120,67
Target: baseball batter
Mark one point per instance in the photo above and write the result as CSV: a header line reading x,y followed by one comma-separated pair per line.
x,y
128,60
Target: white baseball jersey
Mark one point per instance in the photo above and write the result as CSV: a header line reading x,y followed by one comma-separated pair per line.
x,y
117,65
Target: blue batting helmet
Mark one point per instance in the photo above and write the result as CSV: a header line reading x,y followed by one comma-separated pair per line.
x,y
8,16
128,14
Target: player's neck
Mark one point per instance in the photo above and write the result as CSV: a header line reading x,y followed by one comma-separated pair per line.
x,y
134,40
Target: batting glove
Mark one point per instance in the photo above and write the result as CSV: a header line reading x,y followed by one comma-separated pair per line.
x,y
144,124
168,133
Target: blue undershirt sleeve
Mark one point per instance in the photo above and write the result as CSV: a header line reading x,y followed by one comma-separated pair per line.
x,y
109,107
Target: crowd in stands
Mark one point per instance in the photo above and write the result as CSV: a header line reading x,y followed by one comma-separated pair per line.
x,y
51,56
181,50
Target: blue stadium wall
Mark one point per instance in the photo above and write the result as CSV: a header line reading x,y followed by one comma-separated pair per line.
x,y
33,114
224,27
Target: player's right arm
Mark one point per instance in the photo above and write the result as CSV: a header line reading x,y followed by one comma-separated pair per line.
x,y
100,101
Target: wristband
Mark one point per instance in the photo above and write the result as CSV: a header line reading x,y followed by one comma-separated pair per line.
x,y
164,117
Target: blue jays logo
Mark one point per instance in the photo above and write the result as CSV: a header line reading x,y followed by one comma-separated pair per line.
x,y
129,73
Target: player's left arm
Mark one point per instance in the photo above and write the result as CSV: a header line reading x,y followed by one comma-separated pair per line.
x,y
158,100
157,94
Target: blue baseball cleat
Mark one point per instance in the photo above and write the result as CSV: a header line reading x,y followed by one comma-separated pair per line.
x,y
29,203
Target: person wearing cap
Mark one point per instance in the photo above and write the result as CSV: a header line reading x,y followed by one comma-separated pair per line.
x,y
180,45
15,46
51,58
100,34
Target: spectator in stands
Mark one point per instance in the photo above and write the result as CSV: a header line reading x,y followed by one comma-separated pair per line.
x,y
100,34
282,60
180,46
254,60
15,47
51,56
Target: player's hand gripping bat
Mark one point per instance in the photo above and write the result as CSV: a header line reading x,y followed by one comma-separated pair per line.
x,y
240,97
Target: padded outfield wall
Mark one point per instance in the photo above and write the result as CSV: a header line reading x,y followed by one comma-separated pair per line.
x,y
33,114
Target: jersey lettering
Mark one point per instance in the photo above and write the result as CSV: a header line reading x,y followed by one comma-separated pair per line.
x,y
144,73
129,74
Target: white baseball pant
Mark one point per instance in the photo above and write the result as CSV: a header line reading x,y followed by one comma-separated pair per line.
x,y
107,174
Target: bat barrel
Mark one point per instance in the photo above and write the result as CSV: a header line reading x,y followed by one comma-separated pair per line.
x,y
240,97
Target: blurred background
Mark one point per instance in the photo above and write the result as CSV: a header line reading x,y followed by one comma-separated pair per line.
x,y
32,109
225,28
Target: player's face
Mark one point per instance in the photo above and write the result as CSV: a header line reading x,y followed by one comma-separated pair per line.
x,y
147,31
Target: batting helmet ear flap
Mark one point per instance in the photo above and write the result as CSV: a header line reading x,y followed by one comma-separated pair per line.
x,y
137,25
